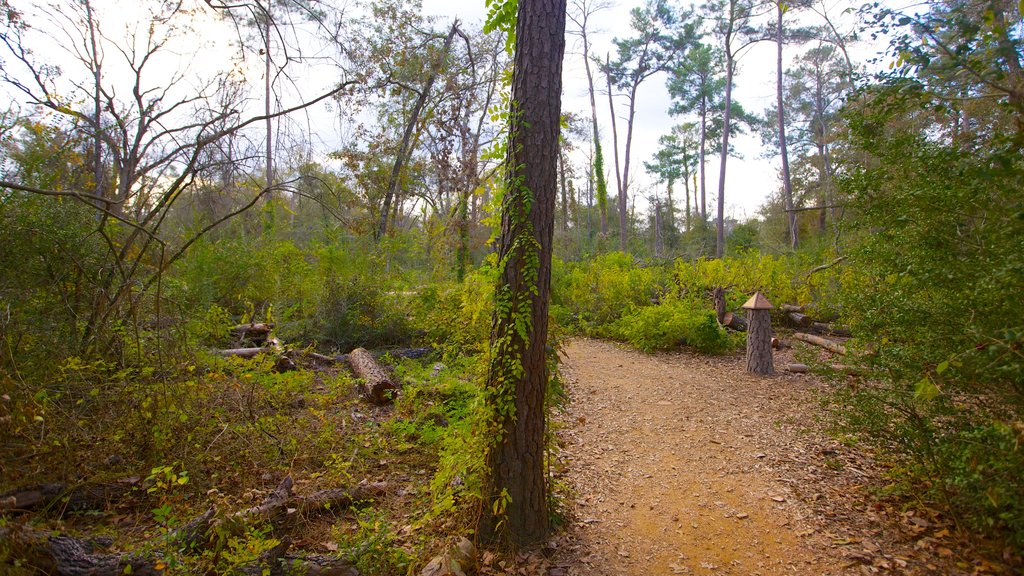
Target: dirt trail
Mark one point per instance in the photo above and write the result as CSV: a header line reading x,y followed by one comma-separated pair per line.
x,y
678,465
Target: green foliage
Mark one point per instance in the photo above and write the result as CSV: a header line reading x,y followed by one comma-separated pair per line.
x,y
670,324
371,547
589,294
780,279
935,257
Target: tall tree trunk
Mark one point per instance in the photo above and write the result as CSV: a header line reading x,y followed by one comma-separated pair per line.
x,y
787,182
564,189
623,222
515,494
720,238
657,229
703,151
593,113
615,152
267,96
686,187
404,150
97,139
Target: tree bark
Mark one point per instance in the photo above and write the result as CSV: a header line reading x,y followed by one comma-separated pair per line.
x,y
377,386
759,343
718,297
514,507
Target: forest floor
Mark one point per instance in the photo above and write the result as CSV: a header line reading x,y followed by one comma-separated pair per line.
x,y
685,464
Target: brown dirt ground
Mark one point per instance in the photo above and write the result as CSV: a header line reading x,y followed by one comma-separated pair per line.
x,y
679,463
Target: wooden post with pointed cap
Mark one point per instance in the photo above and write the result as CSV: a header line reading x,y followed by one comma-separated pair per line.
x,y
759,336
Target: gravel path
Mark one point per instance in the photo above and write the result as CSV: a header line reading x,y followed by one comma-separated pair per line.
x,y
677,465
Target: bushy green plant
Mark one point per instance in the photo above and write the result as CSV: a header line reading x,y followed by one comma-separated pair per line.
x,y
372,548
589,294
934,265
670,324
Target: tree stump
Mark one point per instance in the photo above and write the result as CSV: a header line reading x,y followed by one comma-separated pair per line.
x,y
759,336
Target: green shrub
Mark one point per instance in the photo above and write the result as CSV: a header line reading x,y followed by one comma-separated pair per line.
x,y
670,324
934,267
590,294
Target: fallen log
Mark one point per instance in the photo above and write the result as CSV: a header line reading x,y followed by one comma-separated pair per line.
x,y
244,352
735,321
67,556
830,345
63,497
252,330
829,329
779,344
376,386
799,319
279,509
798,368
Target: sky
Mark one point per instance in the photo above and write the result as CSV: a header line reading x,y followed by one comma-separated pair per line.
x,y
750,180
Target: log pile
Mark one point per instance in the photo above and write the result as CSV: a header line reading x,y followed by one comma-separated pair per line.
x,y
375,386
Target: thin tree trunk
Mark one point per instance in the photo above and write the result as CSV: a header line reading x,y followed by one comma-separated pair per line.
x,y
623,223
686,187
593,112
787,182
621,198
267,99
720,238
404,147
564,189
97,140
703,151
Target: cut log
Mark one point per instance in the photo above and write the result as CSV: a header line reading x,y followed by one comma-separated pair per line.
x,y
254,330
830,345
829,329
244,352
279,509
798,368
780,344
792,307
376,387
326,500
735,321
719,299
799,319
